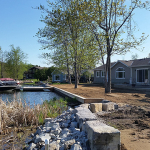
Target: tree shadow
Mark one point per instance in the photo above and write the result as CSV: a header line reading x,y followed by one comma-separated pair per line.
x,y
119,90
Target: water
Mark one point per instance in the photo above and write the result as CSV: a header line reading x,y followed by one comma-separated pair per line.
x,y
31,98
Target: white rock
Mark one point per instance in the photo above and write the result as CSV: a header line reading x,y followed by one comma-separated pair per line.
x,y
55,126
54,146
42,137
69,143
53,136
76,147
31,146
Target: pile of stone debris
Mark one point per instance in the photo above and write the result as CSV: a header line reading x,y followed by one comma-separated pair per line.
x,y
62,133
77,129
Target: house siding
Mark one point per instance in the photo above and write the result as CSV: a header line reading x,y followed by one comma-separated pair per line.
x,y
134,74
113,74
98,79
131,76
62,79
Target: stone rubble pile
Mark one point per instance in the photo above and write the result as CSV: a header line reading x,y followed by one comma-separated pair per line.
x,y
62,133
77,129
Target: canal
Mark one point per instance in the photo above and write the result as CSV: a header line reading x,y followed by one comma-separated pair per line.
x,y
31,98
17,139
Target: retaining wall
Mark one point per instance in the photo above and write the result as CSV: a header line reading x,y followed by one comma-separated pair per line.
x,y
100,135
79,98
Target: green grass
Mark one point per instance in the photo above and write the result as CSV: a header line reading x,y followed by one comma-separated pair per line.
x,y
58,83
73,100
51,109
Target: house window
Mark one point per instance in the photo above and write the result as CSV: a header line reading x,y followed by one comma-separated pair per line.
x,y
120,73
97,73
102,73
142,74
57,77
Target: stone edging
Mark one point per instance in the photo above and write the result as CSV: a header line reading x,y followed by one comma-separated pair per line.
x,y
79,98
75,129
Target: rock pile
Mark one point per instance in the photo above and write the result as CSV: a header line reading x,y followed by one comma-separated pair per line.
x,y
62,133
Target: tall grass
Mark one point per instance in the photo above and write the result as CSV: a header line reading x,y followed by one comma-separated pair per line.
x,y
18,113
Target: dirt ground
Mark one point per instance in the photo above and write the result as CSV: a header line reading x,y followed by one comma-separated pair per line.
x,y
132,118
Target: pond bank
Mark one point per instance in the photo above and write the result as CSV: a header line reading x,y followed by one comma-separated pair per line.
x,y
16,116
75,129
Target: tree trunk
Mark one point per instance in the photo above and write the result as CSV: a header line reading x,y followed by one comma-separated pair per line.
x,y
68,71
76,75
108,76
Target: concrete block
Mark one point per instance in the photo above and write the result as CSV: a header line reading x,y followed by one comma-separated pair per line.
x,y
83,117
96,107
81,110
85,106
83,114
107,106
102,136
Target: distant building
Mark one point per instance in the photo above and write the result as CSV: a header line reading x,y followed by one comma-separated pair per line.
x,y
129,72
30,73
59,76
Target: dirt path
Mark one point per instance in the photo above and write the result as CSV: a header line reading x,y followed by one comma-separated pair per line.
x,y
133,117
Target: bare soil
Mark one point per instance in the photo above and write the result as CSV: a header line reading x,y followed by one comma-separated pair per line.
x,y
132,118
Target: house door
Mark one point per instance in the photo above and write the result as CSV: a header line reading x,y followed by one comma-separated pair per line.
x,y
142,74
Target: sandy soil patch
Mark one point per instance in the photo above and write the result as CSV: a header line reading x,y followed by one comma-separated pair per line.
x,y
133,117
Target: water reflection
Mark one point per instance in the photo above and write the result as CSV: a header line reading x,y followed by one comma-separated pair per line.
x,y
30,97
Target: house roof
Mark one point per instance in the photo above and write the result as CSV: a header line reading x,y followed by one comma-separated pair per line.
x,y
103,66
141,62
129,63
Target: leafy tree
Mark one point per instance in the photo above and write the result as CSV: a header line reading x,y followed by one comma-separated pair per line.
x,y
2,63
42,74
66,32
135,56
37,74
49,71
15,63
110,21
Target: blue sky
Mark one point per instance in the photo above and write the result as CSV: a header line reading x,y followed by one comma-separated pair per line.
x,y
19,23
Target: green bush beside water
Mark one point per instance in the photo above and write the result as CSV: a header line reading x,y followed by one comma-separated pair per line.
x,y
52,109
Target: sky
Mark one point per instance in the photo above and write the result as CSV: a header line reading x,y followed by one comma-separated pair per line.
x,y
19,23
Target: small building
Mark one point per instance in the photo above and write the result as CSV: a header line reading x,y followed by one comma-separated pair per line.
x,y
126,72
59,76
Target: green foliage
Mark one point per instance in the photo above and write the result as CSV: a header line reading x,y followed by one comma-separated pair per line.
x,y
41,118
43,74
135,56
15,62
52,109
73,100
66,34
81,32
